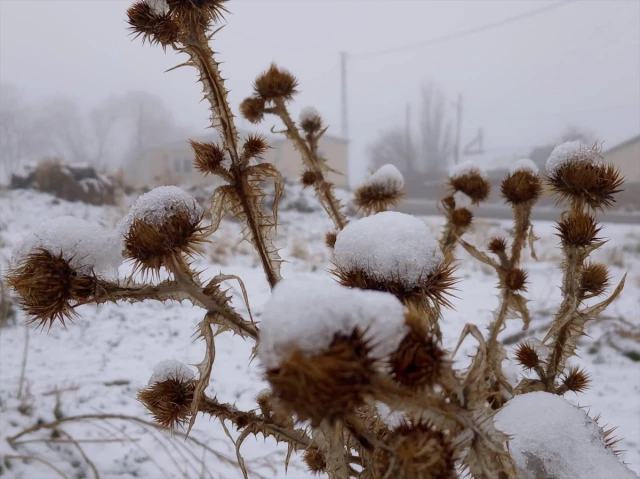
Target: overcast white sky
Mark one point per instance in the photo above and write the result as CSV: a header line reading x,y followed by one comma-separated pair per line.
x,y
523,83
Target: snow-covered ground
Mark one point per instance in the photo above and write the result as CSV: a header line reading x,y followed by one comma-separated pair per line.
x,y
96,365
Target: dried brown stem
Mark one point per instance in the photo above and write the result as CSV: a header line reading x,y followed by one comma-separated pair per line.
x,y
311,160
197,47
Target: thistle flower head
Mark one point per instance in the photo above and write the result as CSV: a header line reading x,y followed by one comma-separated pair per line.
x,y
419,358
529,354
416,451
382,189
330,239
152,21
578,229
309,178
275,83
201,11
595,278
252,109
310,120
169,394
576,379
396,253
576,172
471,180
461,218
208,156
255,146
315,461
497,245
522,184
514,279
162,223
320,344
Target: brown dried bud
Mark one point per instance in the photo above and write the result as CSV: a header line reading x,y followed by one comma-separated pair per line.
x,y
527,355
578,229
315,461
252,108
49,288
154,26
208,156
472,184
254,146
497,245
515,279
449,202
416,452
175,230
169,401
461,218
595,278
310,120
327,385
383,189
520,187
419,358
308,178
275,83
576,380
330,239
593,183
201,11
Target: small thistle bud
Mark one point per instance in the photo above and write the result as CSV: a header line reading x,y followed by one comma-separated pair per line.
x,y
416,451
252,109
522,184
315,461
275,83
383,189
419,358
164,222
595,279
515,279
208,156
396,253
308,178
330,239
578,229
449,202
471,180
526,355
255,146
576,172
155,26
497,245
576,380
461,218
310,120
169,394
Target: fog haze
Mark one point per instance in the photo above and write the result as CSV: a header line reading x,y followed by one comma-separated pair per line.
x,y
523,82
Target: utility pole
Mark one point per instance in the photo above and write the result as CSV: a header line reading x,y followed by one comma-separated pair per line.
x,y
456,147
407,126
344,126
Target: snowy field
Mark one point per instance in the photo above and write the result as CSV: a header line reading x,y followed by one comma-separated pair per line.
x,y
87,375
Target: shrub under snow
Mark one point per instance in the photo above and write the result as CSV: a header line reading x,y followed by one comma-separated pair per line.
x,y
570,152
552,438
86,246
388,246
306,313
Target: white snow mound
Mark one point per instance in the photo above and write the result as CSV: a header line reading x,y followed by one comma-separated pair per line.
x,y
308,113
553,438
86,246
571,152
524,164
306,313
466,168
388,246
387,177
171,369
159,204
462,200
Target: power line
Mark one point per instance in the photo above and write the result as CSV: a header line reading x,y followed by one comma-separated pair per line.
x,y
463,33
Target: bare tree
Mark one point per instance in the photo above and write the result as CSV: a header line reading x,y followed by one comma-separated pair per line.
x,y
435,130
394,147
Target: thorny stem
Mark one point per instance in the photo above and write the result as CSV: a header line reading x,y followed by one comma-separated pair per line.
x,y
331,441
522,216
185,278
197,47
312,162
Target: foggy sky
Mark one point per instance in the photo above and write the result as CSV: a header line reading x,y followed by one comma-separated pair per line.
x,y
522,83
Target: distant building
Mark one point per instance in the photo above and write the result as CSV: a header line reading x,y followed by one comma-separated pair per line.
x,y
626,156
172,162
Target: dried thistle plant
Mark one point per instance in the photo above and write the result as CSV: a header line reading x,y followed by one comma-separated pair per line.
x,y
273,89
340,357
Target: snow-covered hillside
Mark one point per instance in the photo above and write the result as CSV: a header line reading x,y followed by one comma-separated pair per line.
x,y
95,366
